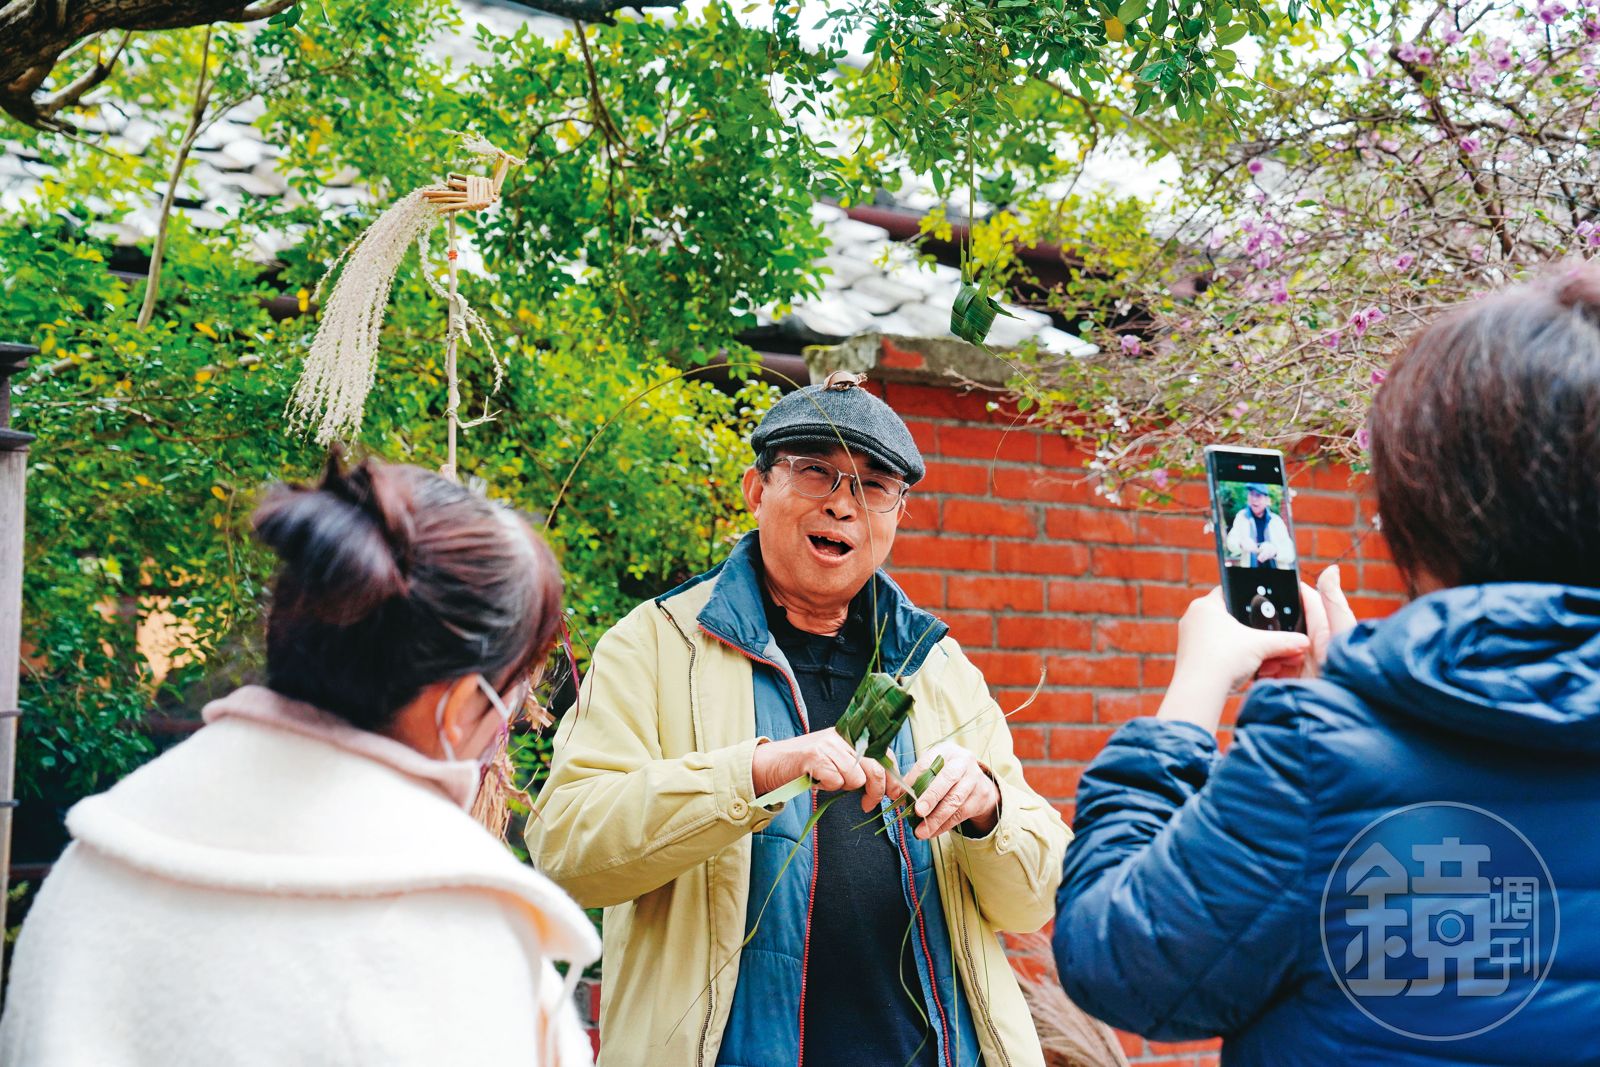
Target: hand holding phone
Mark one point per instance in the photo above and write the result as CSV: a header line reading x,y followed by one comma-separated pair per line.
x,y
1255,541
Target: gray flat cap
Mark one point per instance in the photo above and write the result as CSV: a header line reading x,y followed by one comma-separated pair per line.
x,y
840,408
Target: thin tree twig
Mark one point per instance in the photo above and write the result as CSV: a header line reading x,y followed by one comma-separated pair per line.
x,y
202,96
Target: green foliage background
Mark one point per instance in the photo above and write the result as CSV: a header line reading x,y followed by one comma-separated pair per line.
x,y
672,162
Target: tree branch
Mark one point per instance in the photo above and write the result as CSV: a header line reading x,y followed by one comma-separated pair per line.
x,y
263,9
68,96
603,11
35,34
202,96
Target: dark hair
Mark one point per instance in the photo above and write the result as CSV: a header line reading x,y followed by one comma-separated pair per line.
x,y
394,577
1486,439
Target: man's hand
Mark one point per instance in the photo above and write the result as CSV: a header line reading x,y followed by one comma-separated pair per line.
x,y
1266,551
962,792
824,755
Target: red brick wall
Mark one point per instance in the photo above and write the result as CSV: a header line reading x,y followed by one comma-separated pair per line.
x,y
1035,572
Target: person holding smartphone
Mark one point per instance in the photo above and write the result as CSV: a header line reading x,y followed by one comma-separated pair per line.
x,y
1391,863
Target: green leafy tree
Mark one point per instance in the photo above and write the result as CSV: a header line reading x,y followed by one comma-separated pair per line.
x,y
672,164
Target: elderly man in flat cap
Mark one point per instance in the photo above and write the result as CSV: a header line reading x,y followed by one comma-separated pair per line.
x,y
743,934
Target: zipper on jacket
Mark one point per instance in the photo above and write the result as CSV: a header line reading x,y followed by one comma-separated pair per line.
x,y
805,952
811,895
922,932
711,979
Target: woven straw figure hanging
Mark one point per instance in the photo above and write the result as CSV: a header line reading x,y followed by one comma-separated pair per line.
x,y
341,368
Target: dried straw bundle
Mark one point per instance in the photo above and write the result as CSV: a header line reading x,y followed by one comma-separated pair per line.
x,y
492,807
342,366
1070,1037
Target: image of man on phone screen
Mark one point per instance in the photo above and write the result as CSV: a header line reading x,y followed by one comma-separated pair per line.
x,y
1258,536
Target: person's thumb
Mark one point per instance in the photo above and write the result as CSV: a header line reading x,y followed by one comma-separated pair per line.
x,y
1329,589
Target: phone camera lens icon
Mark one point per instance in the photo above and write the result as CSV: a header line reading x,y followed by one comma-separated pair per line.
x,y
1268,611
1261,590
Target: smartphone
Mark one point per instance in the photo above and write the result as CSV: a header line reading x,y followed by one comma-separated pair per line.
x,y
1255,537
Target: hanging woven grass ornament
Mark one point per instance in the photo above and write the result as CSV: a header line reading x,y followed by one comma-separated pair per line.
x,y
972,315
341,367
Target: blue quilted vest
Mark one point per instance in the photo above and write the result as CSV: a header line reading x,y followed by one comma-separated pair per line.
x,y
768,1012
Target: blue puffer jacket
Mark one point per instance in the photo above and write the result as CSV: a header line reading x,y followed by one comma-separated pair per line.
x,y
1192,902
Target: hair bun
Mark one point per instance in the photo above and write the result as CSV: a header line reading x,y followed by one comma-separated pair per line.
x,y
385,499
344,543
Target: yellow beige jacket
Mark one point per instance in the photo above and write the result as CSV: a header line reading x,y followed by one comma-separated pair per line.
x,y
648,813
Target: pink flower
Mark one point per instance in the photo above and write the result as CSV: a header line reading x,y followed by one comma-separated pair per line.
x,y
1588,232
1280,292
1470,145
1549,11
1363,438
1130,345
1361,321
1404,261
1407,52
1500,53
1390,145
1378,376
1451,35
1425,56
1159,477
1591,29
1239,409
1476,253
1254,166
1332,340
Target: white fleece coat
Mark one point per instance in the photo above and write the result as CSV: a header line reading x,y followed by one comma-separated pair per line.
x,y
285,889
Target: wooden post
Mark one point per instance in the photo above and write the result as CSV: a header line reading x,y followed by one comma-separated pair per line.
x,y
13,475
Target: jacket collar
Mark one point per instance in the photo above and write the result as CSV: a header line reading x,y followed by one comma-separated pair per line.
x,y
457,779
736,611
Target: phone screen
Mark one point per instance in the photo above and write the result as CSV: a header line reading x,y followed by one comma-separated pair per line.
x,y
1255,537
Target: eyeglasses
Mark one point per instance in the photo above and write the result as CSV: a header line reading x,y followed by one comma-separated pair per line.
x,y
819,479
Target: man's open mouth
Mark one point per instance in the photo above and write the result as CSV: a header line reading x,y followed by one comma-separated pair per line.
x,y
827,546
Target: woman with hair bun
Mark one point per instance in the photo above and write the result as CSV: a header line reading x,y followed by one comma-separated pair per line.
x,y
301,882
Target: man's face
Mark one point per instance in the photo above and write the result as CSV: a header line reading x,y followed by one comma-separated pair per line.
x,y
824,550
1258,503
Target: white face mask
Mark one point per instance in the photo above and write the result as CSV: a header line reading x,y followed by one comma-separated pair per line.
x,y
495,701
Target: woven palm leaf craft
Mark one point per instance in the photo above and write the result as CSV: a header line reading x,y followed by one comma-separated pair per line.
x,y
877,711
973,313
